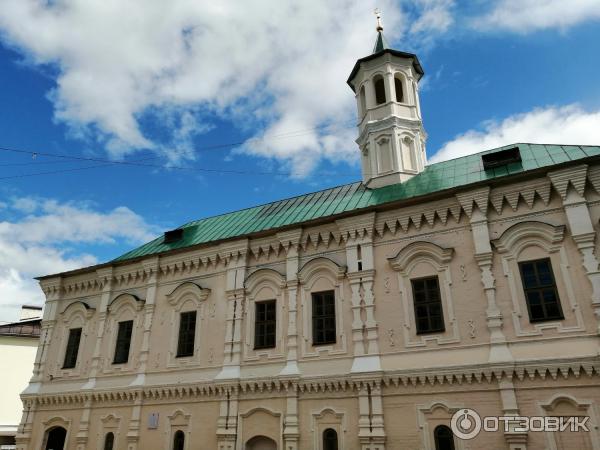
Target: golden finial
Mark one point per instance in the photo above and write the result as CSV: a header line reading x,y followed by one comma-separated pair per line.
x,y
378,15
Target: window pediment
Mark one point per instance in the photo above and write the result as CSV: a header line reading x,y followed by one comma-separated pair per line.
x,y
416,251
518,236
125,300
188,291
316,267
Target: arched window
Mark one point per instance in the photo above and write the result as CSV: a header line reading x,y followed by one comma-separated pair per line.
x,y
55,439
109,441
399,89
178,440
379,89
330,439
444,439
363,101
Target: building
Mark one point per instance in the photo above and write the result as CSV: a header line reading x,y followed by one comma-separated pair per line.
x,y
18,344
359,317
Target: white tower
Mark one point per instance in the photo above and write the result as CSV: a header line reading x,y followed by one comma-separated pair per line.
x,y
391,135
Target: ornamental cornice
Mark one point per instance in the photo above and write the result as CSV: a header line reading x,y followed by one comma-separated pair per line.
x,y
386,124
526,190
476,197
416,216
458,375
357,227
571,176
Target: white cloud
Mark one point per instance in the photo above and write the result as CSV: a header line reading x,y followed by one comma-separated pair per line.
x,y
48,240
281,66
569,124
523,16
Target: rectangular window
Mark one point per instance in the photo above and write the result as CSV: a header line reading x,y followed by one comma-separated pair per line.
x,y
72,348
323,317
540,290
265,324
429,315
187,334
123,342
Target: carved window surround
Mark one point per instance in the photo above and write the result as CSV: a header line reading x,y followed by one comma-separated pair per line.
x,y
110,424
576,408
427,422
264,284
438,259
123,307
269,412
56,421
327,273
549,238
179,420
186,297
323,419
75,315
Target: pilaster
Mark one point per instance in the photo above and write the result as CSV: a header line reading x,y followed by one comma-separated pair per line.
x,y
358,233
516,440
475,204
84,425
570,185
105,277
371,432
227,422
290,240
133,433
151,268
235,254
291,431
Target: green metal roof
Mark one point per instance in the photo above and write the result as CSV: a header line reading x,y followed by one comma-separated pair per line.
x,y
437,177
380,43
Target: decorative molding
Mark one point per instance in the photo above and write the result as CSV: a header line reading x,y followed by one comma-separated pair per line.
x,y
531,232
478,197
395,220
515,191
574,176
419,250
549,238
438,258
356,227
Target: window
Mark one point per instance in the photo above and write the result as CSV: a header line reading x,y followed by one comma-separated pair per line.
x,y
323,315
399,91
178,440
428,305
123,342
379,89
187,334
540,290
330,439
109,441
444,439
72,348
264,326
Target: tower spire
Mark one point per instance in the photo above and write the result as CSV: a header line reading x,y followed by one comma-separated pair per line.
x,y
380,43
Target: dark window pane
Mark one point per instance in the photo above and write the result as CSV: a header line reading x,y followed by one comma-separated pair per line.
x,y
72,348
429,315
187,334
123,342
444,439
109,441
178,440
323,317
541,295
265,324
330,439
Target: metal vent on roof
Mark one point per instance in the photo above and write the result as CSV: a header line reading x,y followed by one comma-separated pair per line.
x,y
501,158
173,236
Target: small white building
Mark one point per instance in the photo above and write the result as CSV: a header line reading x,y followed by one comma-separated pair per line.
x,y
18,344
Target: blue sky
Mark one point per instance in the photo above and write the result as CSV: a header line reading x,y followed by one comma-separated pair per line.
x,y
253,88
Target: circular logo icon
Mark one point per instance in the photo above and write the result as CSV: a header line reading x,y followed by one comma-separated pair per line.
x,y
466,424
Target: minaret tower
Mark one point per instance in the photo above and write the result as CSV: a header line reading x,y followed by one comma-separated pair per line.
x,y
391,135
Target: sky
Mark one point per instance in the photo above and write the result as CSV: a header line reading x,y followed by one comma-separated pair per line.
x,y
119,121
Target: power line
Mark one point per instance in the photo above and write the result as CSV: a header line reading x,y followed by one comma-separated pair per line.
x,y
107,162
